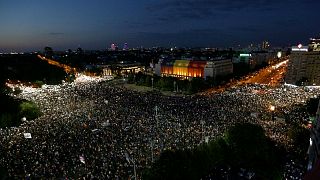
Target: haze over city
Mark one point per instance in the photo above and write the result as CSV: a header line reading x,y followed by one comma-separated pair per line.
x,y
166,89
31,25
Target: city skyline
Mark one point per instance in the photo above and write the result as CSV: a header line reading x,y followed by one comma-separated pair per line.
x,y
32,25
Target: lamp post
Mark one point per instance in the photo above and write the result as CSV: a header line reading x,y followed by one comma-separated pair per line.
x,y
156,115
151,143
272,108
134,165
152,82
202,137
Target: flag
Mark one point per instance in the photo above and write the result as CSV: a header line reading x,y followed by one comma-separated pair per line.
x,y
106,101
104,124
82,159
85,125
27,135
127,157
207,139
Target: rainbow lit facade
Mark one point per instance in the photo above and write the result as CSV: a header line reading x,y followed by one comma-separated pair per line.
x,y
194,68
183,68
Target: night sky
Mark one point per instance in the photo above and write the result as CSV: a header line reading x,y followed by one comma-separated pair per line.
x,y
27,25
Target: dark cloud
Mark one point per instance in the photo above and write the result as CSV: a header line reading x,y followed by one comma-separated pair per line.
x,y
249,29
190,15
224,5
194,37
193,9
138,25
56,33
189,33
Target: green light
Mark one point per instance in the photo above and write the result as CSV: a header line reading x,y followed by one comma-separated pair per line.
x,y
245,55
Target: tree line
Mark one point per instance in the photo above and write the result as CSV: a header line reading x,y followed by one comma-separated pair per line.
x,y
244,146
168,83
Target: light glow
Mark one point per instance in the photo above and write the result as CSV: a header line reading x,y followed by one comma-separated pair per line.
x,y
279,54
272,108
245,55
300,48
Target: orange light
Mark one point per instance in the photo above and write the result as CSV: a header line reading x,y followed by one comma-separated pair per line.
x,y
272,108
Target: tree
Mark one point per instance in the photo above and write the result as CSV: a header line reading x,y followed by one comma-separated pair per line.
x,y
4,90
148,81
29,110
302,81
6,120
166,83
312,106
139,77
240,69
244,146
38,83
131,78
48,52
95,70
4,173
197,84
210,81
251,149
3,76
247,141
300,138
175,164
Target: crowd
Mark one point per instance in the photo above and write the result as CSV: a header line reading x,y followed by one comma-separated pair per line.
x,y
87,128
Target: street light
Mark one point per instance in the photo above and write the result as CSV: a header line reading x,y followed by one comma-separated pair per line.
x,y
134,165
272,108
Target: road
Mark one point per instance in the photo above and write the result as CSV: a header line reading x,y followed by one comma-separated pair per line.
x,y
66,68
272,76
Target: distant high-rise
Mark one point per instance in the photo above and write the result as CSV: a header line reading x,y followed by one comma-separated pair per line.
x,y
314,44
48,52
265,45
303,66
125,47
79,50
113,47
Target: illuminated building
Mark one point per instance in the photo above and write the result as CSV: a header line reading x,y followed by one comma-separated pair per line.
x,y
113,47
245,58
314,44
303,66
265,45
256,58
193,68
125,47
122,68
252,60
220,67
